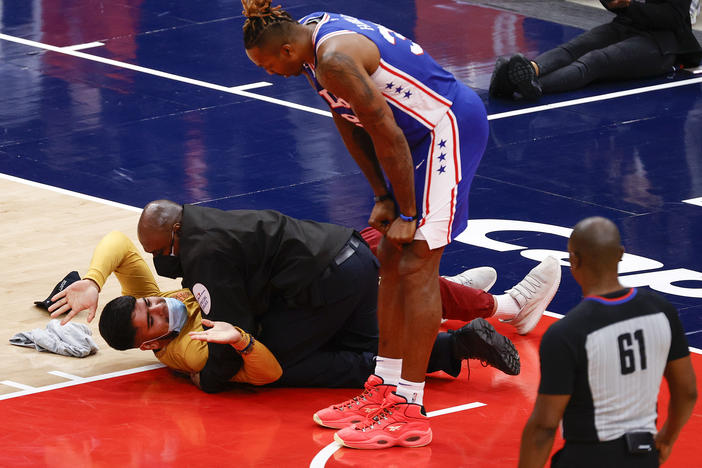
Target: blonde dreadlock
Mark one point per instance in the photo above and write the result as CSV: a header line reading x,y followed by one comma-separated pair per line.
x,y
260,17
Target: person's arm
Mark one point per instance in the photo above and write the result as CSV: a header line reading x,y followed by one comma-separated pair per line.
x,y
672,15
343,67
115,253
540,430
260,366
683,394
360,146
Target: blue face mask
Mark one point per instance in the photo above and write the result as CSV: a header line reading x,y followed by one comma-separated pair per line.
x,y
177,316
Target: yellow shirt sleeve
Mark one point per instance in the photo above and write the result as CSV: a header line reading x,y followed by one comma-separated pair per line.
x,y
115,253
260,366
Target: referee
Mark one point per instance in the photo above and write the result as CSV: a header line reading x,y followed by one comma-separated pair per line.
x,y
601,368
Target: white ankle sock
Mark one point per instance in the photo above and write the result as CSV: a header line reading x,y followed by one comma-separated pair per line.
x,y
412,391
507,307
388,369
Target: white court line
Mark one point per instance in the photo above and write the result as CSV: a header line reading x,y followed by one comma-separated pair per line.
x,y
601,97
694,201
259,84
88,45
65,375
10,383
455,409
170,76
95,378
323,455
240,90
69,192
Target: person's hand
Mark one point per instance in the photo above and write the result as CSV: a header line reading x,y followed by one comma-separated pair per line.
x,y
221,332
401,231
664,448
79,296
615,4
383,215
195,378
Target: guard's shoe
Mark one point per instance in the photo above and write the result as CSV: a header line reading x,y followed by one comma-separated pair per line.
x,y
500,86
522,75
396,422
357,408
477,278
480,340
67,280
534,293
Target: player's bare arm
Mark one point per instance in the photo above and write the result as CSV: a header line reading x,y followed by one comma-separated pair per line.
x,y
360,146
347,75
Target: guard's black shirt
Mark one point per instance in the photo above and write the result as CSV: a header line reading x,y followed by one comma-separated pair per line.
x,y
235,262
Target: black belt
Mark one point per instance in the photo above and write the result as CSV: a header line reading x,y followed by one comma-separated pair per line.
x,y
347,250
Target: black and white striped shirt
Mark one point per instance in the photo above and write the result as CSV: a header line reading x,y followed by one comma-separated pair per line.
x,y
609,354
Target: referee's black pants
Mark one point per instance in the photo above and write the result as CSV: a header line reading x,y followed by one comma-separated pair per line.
x,y
611,454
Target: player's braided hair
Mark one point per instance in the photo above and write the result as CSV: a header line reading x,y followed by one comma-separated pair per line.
x,y
261,17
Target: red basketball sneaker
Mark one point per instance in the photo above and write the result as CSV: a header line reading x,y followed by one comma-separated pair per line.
x,y
356,409
396,422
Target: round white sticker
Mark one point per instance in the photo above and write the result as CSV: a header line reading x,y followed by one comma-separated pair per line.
x,y
202,296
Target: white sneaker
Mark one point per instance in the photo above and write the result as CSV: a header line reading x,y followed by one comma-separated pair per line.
x,y
477,278
534,294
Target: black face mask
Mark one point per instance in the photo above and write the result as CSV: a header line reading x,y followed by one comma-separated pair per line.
x,y
168,266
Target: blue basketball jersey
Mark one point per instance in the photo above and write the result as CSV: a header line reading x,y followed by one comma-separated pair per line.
x,y
417,89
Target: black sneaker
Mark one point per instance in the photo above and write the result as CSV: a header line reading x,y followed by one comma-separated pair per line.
x,y
69,279
500,86
522,75
480,340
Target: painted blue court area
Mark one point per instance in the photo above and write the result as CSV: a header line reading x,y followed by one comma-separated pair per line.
x,y
136,100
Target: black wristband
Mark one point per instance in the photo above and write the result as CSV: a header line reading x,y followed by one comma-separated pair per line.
x,y
380,198
408,218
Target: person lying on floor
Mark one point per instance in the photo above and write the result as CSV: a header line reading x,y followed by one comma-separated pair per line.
x,y
334,363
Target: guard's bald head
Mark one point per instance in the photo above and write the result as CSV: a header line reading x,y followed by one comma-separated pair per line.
x,y
156,220
597,244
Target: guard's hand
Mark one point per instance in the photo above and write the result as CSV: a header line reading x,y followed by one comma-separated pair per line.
x,y
195,378
401,232
221,332
382,216
79,296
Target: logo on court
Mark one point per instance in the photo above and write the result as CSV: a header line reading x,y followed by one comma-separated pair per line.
x,y
202,296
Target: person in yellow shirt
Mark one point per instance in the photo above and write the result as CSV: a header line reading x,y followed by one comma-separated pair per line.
x,y
151,315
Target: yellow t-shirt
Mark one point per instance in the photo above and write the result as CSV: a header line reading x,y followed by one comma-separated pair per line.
x,y
117,254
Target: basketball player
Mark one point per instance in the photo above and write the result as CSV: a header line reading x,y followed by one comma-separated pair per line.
x,y
601,368
418,135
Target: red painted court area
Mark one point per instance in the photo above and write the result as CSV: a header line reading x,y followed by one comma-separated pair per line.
x,y
158,419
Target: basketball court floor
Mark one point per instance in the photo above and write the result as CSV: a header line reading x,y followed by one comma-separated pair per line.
x,y
105,106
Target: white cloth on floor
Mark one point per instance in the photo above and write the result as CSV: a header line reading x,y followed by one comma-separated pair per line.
x,y
72,339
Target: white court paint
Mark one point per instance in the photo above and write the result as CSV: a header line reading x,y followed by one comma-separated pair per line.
x,y
323,455
694,201
241,90
27,390
160,74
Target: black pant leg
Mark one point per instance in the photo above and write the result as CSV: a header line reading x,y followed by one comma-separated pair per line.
x,y
327,368
565,54
346,320
634,57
